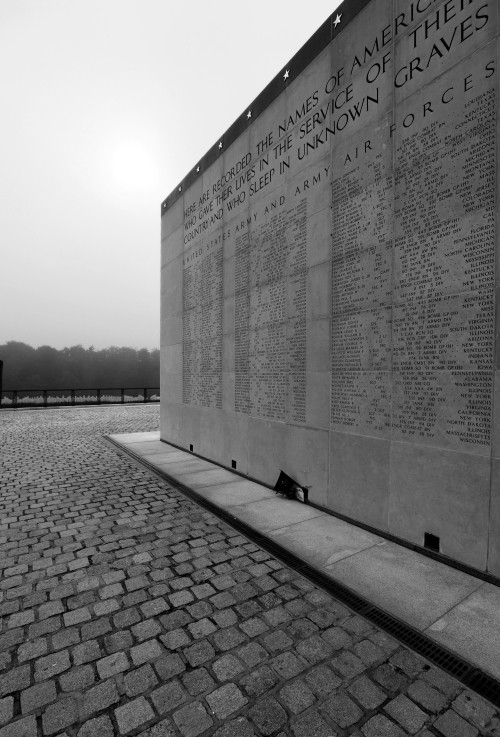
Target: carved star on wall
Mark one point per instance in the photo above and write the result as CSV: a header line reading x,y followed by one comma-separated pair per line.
x,y
249,115
337,20
286,74
220,144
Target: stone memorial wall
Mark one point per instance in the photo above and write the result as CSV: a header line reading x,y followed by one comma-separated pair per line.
x,y
330,278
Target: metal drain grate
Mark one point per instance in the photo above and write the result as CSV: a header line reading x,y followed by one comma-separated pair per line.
x,y
419,642
484,685
469,675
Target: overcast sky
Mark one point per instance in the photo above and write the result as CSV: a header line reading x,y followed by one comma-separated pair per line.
x,y
105,106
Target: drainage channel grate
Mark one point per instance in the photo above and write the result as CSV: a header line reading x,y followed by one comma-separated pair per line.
x,y
470,676
419,642
484,685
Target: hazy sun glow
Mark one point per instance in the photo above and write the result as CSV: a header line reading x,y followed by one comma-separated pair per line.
x,y
132,167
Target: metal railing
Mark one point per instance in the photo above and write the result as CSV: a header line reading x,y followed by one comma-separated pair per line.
x,y
12,398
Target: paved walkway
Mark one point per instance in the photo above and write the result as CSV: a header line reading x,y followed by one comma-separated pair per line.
x,y
126,608
455,609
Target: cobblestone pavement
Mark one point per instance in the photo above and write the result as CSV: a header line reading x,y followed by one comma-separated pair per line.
x,y
125,608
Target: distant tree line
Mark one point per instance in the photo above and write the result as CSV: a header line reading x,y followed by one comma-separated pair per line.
x,y
25,367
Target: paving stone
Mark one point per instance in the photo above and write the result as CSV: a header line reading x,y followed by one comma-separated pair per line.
x,y
168,697
112,664
149,650
164,728
81,600
277,641
322,680
77,679
136,582
473,708
14,637
259,681
406,713
199,653
323,618
254,627
223,600
297,696
65,638
37,696
239,727
368,652
99,697
6,710
31,650
169,666
253,653
225,618
276,616
175,620
380,726
337,638
228,638
408,662
77,616
367,693
133,715
314,649
51,665
298,608
107,592
60,715
452,725
19,619
126,618
96,628
311,724
39,629
383,640
183,582
267,715
98,727
140,680
226,700
426,696
197,681
154,608
192,719
121,640
390,678
201,628
243,591
248,609
86,652
20,728
302,628
227,667
109,606
200,609
180,598
175,639
347,664
146,629
203,590
342,710
287,665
